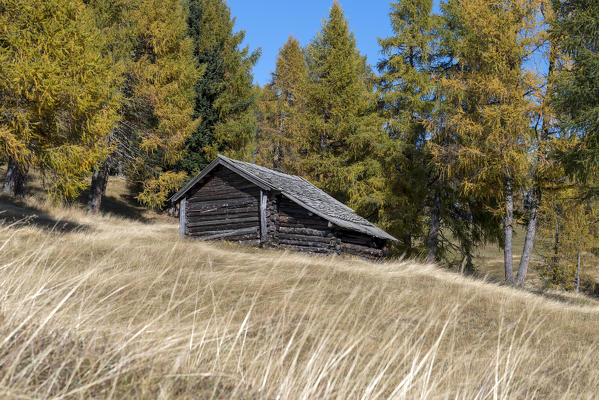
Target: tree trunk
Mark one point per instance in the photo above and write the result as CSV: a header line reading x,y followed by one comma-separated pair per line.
x,y
508,231
578,265
467,266
97,189
556,242
433,233
15,179
529,241
408,242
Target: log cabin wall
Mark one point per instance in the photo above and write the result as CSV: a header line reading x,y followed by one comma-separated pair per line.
x,y
299,229
358,244
224,206
272,219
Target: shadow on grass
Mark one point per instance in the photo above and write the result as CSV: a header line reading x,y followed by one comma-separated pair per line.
x,y
123,205
20,214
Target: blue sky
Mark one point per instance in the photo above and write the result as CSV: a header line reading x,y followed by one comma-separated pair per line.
x,y
268,24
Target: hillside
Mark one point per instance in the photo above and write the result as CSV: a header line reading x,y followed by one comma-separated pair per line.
x,y
116,307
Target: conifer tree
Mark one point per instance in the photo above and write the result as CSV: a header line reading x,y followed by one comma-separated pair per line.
x,y
225,96
152,41
545,172
114,19
575,94
162,76
490,110
58,93
407,102
568,232
281,108
344,131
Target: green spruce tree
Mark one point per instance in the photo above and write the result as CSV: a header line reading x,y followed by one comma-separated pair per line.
x,y
575,94
225,95
408,102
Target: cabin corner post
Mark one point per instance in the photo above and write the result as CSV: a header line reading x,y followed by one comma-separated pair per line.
x,y
182,216
263,199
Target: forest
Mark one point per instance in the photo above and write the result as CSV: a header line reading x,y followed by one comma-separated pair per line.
x,y
479,119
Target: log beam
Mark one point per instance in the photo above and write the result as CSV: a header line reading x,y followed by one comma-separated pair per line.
x,y
182,216
263,199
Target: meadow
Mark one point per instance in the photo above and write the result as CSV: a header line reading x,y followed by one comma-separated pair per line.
x,y
112,307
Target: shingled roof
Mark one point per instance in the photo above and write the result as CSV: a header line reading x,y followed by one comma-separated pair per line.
x,y
295,189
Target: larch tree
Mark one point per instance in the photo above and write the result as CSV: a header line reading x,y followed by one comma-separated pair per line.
x,y
225,95
163,74
344,133
113,18
488,92
544,172
281,111
151,39
568,233
59,94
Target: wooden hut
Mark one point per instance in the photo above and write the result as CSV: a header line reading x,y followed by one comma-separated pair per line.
x,y
246,203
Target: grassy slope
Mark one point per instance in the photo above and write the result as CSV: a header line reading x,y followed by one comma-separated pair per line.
x,y
114,307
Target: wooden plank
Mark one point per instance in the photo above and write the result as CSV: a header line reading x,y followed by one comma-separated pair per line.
x,y
193,232
325,242
305,231
305,238
221,203
306,243
221,211
225,197
225,191
302,219
221,227
216,163
227,182
182,216
263,199
253,219
306,249
357,249
211,217
304,223
202,233
225,234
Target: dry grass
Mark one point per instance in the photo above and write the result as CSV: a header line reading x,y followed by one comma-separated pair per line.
x,y
115,308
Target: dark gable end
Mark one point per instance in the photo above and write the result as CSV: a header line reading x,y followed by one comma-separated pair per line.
x,y
226,182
